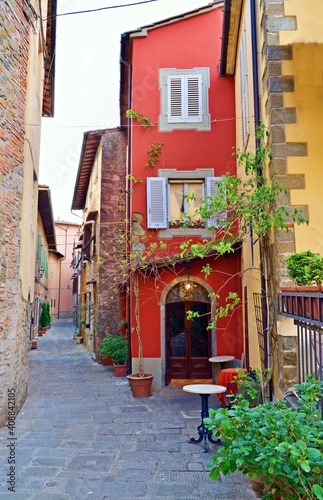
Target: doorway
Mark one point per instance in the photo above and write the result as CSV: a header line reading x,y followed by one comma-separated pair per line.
x,y
188,342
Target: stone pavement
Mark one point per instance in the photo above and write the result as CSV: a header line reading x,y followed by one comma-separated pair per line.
x,y
81,435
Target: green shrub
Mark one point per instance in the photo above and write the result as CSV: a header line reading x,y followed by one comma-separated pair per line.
x,y
44,319
115,347
275,442
305,268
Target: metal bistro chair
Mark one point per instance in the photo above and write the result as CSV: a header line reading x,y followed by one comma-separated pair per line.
x,y
229,396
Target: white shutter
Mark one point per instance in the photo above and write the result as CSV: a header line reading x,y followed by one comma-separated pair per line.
x,y
156,203
194,98
211,191
175,99
184,98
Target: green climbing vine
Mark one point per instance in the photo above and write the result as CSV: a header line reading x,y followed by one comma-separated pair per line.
x,y
156,149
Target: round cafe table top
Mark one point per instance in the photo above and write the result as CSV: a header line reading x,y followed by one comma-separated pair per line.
x,y
204,388
221,359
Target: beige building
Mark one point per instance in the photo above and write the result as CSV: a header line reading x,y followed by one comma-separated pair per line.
x,y
46,245
60,274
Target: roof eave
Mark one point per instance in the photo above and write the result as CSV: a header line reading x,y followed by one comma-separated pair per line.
x,y
230,34
45,209
84,169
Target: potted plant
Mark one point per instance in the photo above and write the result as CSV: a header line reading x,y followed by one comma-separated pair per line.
x,y
274,442
140,382
49,318
116,347
250,384
77,336
305,268
44,317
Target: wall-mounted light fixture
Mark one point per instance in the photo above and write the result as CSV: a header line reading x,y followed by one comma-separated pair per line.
x,y
188,284
41,271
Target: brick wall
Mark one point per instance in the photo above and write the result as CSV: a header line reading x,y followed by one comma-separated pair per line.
x,y
14,319
112,230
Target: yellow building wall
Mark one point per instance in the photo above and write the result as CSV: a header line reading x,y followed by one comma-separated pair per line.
x,y
250,260
307,69
87,301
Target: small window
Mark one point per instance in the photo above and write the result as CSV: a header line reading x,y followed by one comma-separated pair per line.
x,y
184,200
88,248
184,99
174,202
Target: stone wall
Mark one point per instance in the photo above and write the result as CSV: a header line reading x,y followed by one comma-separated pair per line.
x,y
14,41
16,19
113,243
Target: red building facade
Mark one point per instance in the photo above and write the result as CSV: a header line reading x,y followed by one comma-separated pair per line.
x,y
181,132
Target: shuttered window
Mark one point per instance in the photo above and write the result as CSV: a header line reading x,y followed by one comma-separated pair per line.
x,y
156,202
184,98
211,191
88,247
162,211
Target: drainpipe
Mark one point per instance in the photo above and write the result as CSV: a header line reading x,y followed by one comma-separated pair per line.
x,y
255,69
256,101
128,211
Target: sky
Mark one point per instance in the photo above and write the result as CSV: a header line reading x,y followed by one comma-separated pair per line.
x,y
87,83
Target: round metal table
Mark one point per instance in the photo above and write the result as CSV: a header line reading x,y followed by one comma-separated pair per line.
x,y
204,390
218,363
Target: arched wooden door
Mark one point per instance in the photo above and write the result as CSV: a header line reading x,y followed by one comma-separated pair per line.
x,y
188,343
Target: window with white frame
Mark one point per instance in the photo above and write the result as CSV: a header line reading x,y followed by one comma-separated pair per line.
x,y
185,198
174,198
244,86
184,99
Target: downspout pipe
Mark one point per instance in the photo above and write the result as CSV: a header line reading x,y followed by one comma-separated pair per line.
x,y
124,62
255,68
256,101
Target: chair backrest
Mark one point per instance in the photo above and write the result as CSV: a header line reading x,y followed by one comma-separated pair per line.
x,y
237,363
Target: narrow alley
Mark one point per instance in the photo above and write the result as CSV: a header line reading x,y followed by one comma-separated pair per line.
x,y
82,435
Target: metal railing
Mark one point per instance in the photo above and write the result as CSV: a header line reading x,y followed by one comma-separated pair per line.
x,y
307,311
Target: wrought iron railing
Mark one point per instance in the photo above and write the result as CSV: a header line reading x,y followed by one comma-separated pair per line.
x,y
307,311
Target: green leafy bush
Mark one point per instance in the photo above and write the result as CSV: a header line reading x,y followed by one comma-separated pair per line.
x,y
115,347
45,317
305,268
273,441
49,318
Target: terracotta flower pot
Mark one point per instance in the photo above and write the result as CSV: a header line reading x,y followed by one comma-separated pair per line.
x,y
120,370
140,386
34,344
106,361
257,485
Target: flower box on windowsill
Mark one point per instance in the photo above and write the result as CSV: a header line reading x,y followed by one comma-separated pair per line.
x,y
183,224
